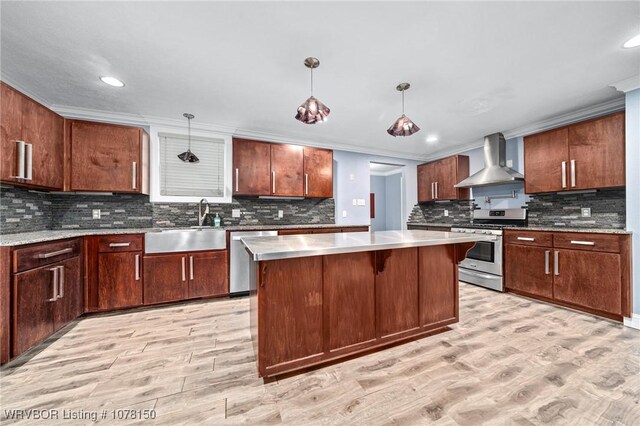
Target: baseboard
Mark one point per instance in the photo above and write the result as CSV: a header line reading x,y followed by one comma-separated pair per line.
x,y
633,322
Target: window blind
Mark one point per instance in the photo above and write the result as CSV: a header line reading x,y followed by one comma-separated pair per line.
x,y
203,179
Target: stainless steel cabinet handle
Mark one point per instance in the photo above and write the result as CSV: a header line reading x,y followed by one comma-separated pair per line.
x,y
134,176
54,253
28,160
525,239
119,244
237,175
573,173
436,190
546,262
20,163
564,174
556,266
433,192
60,282
273,178
54,284
184,266
191,267
583,243
137,267
306,184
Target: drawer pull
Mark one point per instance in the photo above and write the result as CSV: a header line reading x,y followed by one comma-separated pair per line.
x,y
54,253
119,245
583,243
525,239
54,285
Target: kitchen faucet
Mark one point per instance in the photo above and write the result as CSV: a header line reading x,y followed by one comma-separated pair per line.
x,y
202,216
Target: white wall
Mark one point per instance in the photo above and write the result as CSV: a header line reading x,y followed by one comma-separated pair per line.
x,y
379,188
632,134
351,180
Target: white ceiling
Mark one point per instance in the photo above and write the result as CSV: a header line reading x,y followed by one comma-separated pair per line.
x,y
474,67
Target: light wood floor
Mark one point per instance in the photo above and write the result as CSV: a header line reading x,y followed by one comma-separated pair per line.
x,y
508,361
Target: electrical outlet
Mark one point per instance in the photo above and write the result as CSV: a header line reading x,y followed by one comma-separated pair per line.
x,y
361,201
235,213
446,212
344,213
95,213
509,163
352,177
280,214
586,211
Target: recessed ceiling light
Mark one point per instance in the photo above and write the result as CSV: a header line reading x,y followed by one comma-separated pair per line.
x,y
632,42
112,81
432,138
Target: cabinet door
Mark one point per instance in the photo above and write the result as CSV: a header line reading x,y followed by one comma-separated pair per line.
x,y
69,305
287,170
10,131
349,292
318,173
251,167
446,178
396,290
33,294
105,157
290,310
589,279
529,269
119,280
43,129
438,287
208,274
544,155
597,153
165,278
425,182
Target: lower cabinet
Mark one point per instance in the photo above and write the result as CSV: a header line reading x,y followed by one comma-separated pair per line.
x,y
180,276
47,297
119,276
590,272
438,286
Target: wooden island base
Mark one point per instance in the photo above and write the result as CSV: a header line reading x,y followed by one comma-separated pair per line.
x,y
307,311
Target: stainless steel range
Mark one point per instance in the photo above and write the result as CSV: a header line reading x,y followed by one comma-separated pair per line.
x,y
483,264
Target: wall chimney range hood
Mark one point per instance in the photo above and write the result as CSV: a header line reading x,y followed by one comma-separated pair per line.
x,y
495,171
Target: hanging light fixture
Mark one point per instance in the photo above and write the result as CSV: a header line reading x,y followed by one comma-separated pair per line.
x,y
403,126
312,110
188,156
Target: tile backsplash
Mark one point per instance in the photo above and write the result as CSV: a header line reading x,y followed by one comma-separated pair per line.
x,y
23,210
459,212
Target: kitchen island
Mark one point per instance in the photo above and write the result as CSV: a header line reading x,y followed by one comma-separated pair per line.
x,y
318,298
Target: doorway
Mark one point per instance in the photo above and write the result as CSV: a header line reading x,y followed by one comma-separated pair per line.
x,y
387,188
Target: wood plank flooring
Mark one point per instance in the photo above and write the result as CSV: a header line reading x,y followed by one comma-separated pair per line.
x,y
509,361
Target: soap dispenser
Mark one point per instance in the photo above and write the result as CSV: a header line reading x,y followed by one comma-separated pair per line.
x,y
216,221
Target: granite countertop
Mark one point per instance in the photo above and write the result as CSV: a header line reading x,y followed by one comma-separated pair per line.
x,y
539,228
438,225
43,236
291,246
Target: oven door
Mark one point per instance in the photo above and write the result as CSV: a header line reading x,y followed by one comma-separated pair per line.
x,y
486,256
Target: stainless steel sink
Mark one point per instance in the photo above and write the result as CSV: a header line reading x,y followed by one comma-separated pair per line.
x,y
181,240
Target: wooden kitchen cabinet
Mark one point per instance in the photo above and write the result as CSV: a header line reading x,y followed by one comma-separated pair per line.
x,y
41,130
438,286
585,155
70,306
251,167
436,179
120,281
318,173
108,158
287,170
529,270
165,278
208,274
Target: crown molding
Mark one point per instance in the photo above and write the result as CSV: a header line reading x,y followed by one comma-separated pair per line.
x,y
628,84
24,91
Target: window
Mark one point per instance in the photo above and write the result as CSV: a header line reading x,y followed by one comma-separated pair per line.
x,y
202,179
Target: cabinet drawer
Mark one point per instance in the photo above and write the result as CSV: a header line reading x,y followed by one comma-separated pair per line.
x,y
529,238
116,243
43,254
590,242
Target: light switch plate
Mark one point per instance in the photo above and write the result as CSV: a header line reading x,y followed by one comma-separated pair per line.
x,y
235,213
355,202
280,214
361,201
446,212
344,213
509,163
95,213
352,177
585,211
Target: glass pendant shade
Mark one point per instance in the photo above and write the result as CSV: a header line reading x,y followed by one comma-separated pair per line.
x,y
188,156
312,111
403,127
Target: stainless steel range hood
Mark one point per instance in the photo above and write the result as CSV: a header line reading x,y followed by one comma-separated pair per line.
x,y
495,171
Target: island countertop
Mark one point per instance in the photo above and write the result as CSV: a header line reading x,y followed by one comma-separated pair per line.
x,y
290,246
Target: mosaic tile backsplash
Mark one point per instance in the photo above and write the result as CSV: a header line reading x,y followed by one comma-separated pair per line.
x,y
22,210
459,212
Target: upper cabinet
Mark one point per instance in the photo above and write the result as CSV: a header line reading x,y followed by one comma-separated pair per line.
x,y
586,155
32,142
266,169
108,158
436,180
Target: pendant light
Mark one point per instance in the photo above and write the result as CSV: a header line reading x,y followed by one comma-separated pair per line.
x,y
403,126
188,156
312,110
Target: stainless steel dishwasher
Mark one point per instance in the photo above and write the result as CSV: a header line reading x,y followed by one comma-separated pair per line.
x,y
239,275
